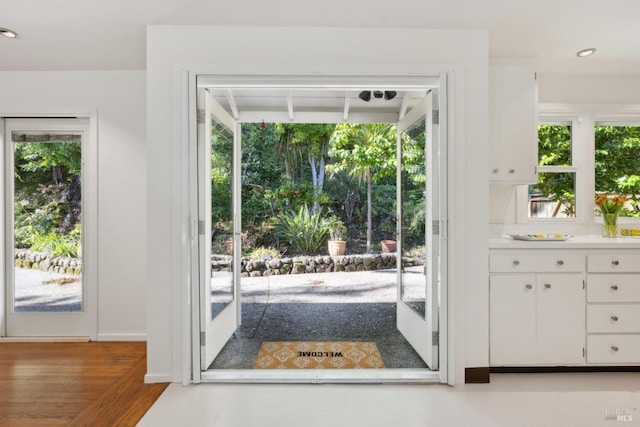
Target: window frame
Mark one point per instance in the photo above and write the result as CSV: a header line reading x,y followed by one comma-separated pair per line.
x,y
583,120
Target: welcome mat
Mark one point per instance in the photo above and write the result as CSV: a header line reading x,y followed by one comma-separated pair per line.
x,y
318,355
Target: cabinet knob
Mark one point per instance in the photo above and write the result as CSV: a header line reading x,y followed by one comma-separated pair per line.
x,y
496,170
560,262
615,262
547,285
614,287
614,348
512,170
528,286
614,318
516,262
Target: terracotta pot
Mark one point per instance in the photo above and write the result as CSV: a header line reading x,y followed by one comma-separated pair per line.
x,y
337,247
388,246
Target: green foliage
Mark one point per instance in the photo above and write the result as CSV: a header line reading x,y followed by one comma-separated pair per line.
x,y
306,232
337,229
56,244
261,252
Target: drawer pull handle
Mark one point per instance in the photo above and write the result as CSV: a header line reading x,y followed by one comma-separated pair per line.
x,y
547,285
512,170
614,287
560,262
528,286
614,318
496,170
516,262
614,348
616,262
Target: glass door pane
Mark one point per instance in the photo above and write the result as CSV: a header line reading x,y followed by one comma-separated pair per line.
x,y
221,217
413,289
47,222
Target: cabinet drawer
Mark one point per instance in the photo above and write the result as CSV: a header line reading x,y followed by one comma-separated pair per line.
x,y
613,263
543,263
613,318
613,287
613,349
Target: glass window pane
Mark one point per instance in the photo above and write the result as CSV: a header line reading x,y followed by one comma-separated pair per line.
x,y
554,144
617,166
554,196
47,219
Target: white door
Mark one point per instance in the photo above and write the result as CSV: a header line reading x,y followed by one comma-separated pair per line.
x,y
419,220
49,229
219,226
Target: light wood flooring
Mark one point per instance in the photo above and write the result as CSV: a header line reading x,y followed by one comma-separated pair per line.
x,y
74,384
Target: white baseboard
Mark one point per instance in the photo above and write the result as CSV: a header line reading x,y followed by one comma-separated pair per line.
x,y
157,378
122,337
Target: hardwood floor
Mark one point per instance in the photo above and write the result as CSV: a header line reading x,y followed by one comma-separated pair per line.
x,y
74,384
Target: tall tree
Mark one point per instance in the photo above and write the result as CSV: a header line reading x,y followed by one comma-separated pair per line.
x,y
312,139
368,153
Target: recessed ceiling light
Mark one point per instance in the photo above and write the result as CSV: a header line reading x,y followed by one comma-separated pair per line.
x,y
8,33
586,52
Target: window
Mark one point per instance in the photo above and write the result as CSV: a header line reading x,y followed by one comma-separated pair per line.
x,y
554,196
617,163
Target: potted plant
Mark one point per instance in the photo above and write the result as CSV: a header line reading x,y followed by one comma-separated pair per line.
x,y
337,232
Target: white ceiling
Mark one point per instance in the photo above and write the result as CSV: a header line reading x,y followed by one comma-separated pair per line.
x,y
110,34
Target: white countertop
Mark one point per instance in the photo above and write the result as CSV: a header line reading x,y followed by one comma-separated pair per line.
x,y
576,242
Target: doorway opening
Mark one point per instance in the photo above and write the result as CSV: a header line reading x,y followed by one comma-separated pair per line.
x,y
265,273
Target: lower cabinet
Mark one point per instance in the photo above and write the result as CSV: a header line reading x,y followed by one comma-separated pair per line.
x,y
537,319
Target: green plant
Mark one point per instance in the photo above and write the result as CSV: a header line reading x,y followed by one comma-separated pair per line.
x,y
337,229
56,244
305,232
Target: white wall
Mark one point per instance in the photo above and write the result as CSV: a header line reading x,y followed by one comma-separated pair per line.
x,y
588,91
119,99
311,51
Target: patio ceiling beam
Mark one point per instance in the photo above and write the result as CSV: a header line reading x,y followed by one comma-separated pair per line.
x,y
232,104
404,105
290,105
347,101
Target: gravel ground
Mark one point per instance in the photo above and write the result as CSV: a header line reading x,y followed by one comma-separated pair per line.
x,y
34,291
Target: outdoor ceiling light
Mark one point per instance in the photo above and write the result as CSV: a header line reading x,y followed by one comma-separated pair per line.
x,y
586,52
388,95
8,33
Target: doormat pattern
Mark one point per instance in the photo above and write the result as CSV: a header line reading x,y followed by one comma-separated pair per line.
x,y
318,355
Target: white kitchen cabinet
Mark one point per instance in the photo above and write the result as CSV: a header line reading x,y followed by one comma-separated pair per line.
x,y
513,123
613,308
536,319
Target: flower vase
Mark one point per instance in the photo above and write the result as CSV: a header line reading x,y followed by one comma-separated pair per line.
x,y
610,225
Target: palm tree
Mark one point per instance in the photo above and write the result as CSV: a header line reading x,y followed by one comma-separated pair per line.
x,y
367,152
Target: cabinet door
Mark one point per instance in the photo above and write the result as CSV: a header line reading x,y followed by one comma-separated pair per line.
x,y
560,318
513,125
512,319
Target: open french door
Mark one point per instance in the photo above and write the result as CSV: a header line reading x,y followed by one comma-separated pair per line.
x,y
419,219
219,243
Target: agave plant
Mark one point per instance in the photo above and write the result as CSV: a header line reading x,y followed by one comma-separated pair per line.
x,y
306,232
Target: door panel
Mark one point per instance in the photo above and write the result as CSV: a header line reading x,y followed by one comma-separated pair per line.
x,y
418,233
219,222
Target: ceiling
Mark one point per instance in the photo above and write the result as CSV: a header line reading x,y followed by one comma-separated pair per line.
x,y
110,35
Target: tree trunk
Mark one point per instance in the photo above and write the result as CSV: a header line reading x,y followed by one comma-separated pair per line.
x,y
317,179
369,212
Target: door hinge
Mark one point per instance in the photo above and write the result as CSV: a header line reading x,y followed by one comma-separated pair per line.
x,y
583,284
203,339
435,117
583,352
435,338
435,227
201,227
200,115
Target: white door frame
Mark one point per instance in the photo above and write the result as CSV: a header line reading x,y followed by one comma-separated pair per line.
x,y
191,340
83,324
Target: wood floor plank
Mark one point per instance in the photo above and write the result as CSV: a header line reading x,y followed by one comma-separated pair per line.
x,y
92,384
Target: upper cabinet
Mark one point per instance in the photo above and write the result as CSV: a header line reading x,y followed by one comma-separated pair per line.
x,y
513,123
